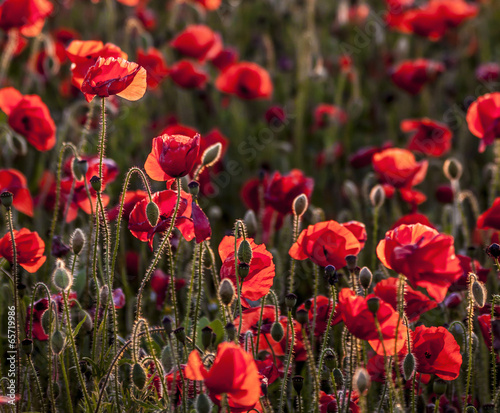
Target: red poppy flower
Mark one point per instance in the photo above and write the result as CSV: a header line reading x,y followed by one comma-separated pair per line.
x,y
251,317
140,227
153,61
225,58
260,278
483,119
412,75
414,218
468,266
490,219
488,72
160,284
485,326
328,403
324,307
118,298
115,76
363,157
13,181
26,15
208,4
325,114
416,303
246,80
198,41
202,229
359,231
172,156
436,352
360,322
131,198
429,137
444,194
233,372
188,75
398,168
46,58
325,243
29,247
269,370
30,117
83,54
426,257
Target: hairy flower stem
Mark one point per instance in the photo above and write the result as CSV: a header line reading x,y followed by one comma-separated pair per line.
x,y
312,369
376,210
102,142
96,283
315,304
8,52
69,403
237,276
262,304
436,406
470,320
288,362
37,382
493,357
326,337
296,228
401,315
179,369
157,256
198,298
388,368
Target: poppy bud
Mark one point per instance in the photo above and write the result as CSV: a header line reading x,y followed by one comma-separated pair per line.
x,y
58,341
203,404
211,155
408,366
194,188
277,332
243,270
231,331
439,386
365,277
361,380
308,304
290,300
302,317
250,222
206,336
339,377
331,274
298,383
479,293
138,376
226,291
493,250
351,261
180,334
88,324
377,196
152,213
167,325
452,169
27,346
59,248
6,198
77,241
330,361
350,190
77,173
245,252
300,204
104,295
96,184
373,304
61,278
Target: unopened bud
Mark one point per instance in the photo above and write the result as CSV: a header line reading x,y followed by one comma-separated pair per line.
x,y
245,252
230,331
243,270
27,346
350,190
226,291
167,325
62,278
351,261
138,376
211,155
250,222
339,377
206,336
96,183
58,341
409,366
302,316
80,168
377,196
194,188
203,404
300,205
180,334
361,380
330,361
104,295
479,293
439,386
365,277
452,169
277,332
77,241
152,213
290,300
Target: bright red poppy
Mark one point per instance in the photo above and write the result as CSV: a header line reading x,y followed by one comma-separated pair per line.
x,y
429,137
225,58
131,198
29,247
260,278
83,54
413,218
485,325
172,156
325,114
208,4
233,372
325,243
153,61
360,322
436,352
26,15
198,41
188,75
363,157
202,229
468,266
423,255
246,80
416,303
490,219
13,181
115,76
30,117
323,310
413,75
483,119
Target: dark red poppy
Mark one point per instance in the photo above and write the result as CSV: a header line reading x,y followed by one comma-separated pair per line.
x,y
153,61
414,218
325,243
325,114
436,352
260,278
188,75
444,194
328,402
423,255
468,266
360,322
160,284
29,247
246,80
485,325
198,41
131,198
429,137
83,54
363,157
30,117
225,58
140,227
324,307
13,181
416,303
490,219
115,76
38,332
483,119
118,298
269,370
233,372
275,116
413,75
172,156
202,229
26,15
488,72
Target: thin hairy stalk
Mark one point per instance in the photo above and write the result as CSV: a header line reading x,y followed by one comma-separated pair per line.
x,y
312,368
102,142
470,320
296,227
375,236
326,337
66,383
178,363
8,52
158,365
492,351
191,288
37,381
198,298
315,303
288,363
401,314
237,276
259,326
436,406
96,283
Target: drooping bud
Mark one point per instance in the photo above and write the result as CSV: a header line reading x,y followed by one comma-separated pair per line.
x,y
80,168
61,277
300,205
365,277
339,377
350,190
152,213
377,196
302,316
277,332
290,300
250,221
138,376
77,241
180,334
439,386
243,270
409,366
58,342
88,324
194,188
373,304
206,336
479,293
298,383
211,155
167,325
96,183
452,169
245,252
471,409
226,291
361,380
6,198
203,404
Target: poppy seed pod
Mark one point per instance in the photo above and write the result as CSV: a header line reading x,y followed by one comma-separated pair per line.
x,y
211,155
245,253
298,383
6,198
226,291
206,336
330,361
290,300
493,251
377,196
27,346
167,325
138,376
194,188
243,270
452,169
409,366
80,168
361,380
77,241
277,332
300,205
373,304
180,334
365,277
439,386
331,274
96,184
351,261
302,316
152,213
203,404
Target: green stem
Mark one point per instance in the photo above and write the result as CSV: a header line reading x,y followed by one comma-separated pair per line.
x,y
327,332
102,142
237,276
262,304
470,320
288,362
66,383
198,299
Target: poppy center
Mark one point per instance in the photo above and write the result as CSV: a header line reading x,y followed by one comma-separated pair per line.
x,y
25,120
427,355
